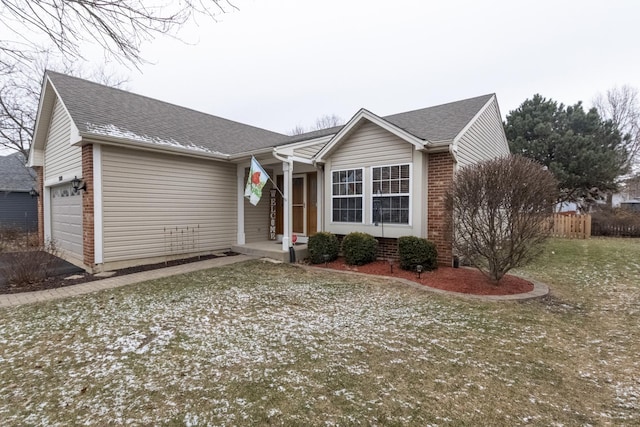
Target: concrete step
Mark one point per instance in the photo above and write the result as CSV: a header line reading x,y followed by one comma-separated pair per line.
x,y
276,253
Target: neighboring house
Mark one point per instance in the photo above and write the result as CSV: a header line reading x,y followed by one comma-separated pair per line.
x,y
632,205
17,208
164,181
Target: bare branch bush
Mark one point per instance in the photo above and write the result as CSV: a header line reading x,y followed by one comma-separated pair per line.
x,y
499,213
29,264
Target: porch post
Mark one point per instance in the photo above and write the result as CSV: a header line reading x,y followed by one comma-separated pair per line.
x,y
240,200
286,205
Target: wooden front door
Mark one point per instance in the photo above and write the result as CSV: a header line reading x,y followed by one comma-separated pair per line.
x,y
304,207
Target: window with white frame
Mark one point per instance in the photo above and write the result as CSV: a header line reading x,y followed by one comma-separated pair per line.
x,y
391,194
346,191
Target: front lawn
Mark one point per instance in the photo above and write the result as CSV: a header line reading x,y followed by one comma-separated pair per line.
x,y
261,343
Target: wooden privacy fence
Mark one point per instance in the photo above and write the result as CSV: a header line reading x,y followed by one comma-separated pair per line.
x,y
571,226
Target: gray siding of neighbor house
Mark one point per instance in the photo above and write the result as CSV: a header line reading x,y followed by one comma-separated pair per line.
x,y
371,145
484,139
162,205
18,210
61,158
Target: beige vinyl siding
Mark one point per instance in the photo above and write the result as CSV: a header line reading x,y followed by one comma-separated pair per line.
x,y
158,205
256,218
371,145
484,139
309,151
367,147
60,157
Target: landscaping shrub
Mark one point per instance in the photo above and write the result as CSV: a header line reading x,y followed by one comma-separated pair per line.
x,y
359,248
323,243
498,213
414,251
29,264
618,222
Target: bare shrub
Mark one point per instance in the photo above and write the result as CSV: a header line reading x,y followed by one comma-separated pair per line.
x,y
499,213
619,222
30,264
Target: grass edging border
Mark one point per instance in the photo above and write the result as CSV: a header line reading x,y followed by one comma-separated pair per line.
x,y
539,289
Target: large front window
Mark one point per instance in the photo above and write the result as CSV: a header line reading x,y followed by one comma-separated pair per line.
x,y
346,190
391,188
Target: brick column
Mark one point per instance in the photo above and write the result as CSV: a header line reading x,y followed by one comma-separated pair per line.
x,y
88,247
440,176
40,189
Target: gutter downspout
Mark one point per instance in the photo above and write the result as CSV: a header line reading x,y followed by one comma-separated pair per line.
x,y
287,168
453,151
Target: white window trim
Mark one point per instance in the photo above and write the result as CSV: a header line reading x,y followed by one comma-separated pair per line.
x,y
362,196
410,194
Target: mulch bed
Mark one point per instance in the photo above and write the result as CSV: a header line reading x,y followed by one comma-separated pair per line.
x,y
462,280
61,281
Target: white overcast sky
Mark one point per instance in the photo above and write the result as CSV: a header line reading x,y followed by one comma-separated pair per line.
x,y
281,63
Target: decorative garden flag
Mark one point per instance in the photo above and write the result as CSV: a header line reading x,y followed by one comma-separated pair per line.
x,y
257,179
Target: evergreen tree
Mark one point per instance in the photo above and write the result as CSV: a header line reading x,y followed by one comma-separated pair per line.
x,y
586,153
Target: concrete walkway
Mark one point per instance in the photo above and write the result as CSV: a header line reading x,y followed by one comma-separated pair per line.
x,y
10,300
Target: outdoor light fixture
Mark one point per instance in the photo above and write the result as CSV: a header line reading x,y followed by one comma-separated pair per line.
x,y
326,259
419,270
78,184
33,192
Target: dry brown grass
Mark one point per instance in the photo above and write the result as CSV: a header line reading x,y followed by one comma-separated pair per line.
x,y
258,343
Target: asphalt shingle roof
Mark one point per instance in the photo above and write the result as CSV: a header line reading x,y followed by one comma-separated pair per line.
x,y
14,175
438,123
103,110
100,109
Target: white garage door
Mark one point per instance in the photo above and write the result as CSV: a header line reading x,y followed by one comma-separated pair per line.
x,y
66,220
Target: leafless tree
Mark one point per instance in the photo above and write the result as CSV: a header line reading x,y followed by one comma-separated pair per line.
x,y
118,26
621,105
298,130
20,92
324,122
328,121
499,213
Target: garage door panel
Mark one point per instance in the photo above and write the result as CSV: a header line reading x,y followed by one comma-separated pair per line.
x,y
66,220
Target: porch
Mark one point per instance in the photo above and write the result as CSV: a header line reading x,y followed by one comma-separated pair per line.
x,y
271,249
289,209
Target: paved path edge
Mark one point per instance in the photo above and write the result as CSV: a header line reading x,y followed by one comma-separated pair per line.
x,y
12,300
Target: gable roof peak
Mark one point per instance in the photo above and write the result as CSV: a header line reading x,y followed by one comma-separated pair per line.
x,y
97,109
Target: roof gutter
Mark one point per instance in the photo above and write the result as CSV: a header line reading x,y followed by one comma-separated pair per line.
x,y
247,154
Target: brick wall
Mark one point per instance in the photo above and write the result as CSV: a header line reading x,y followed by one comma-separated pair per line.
x,y
40,189
387,247
88,247
439,176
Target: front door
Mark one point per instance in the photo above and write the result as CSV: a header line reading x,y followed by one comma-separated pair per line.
x,y
298,205
304,204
